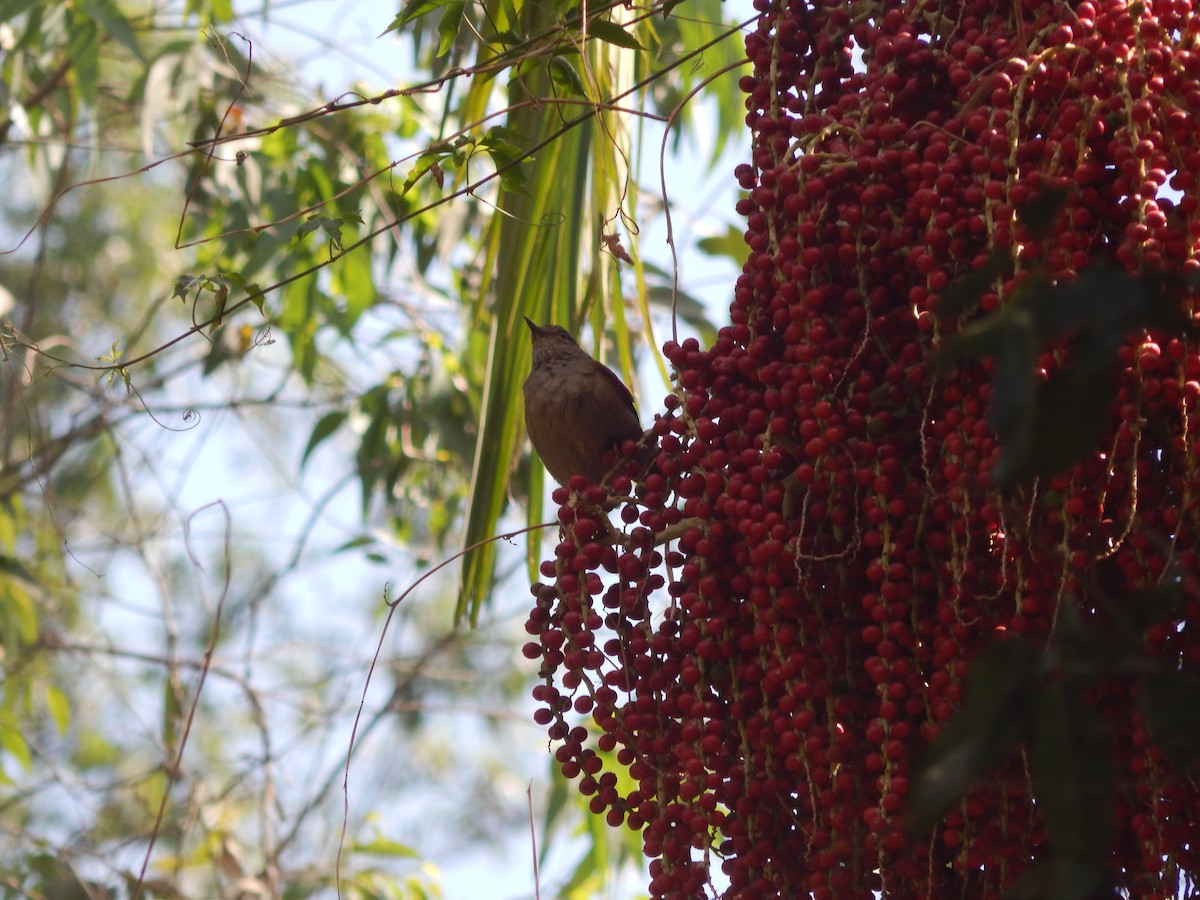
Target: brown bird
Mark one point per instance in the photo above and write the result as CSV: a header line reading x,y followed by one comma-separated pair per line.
x,y
575,407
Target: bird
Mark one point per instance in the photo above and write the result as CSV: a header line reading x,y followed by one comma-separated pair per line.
x,y
575,407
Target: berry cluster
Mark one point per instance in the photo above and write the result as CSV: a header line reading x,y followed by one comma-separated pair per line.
x,y
745,661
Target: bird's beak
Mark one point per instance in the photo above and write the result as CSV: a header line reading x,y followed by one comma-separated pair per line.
x,y
534,329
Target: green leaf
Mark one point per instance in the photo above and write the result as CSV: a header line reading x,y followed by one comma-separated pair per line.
x,y
219,303
1038,213
218,354
502,143
414,9
1061,879
1101,300
311,224
1014,387
255,295
511,15
1169,703
612,33
509,158
12,741
355,543
1143,609
330,225
965,293
60,708
449,26
352,280
424,164
1001,685
113,21
372,450
172,714
558,803
185,283
84,53
211,11
326,425
1081,649
13,567
539,277
382,846
731,245
18,613
563,74
688,308
299,321
1064,422
988,337
93,750
1045,427
10,9
1072,772
507,37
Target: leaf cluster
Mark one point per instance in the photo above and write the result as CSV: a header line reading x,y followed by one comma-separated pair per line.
x,y
1044,702
1046,423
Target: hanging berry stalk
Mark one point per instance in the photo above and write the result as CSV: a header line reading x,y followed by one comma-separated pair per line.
x,y
747,663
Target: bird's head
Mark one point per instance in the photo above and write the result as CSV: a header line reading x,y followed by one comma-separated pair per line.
x,y
550,341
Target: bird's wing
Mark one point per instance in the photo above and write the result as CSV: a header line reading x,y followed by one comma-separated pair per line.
x,y
619,385
611,422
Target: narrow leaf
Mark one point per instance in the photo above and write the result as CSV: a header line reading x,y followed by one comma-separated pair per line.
x,y
1038,214
10,9
13,743
381,846
414,9
1072,774
994,716
112,20
537,274
965,293
565,76
1064,422
1061,879
611,33
326,425
731,245
449,26
60,708
1168,700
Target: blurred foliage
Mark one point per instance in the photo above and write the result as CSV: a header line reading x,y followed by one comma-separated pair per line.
x,y
1046,424
1040,700
194,241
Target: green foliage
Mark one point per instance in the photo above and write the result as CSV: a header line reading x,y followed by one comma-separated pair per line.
x,y
1001,691
614,34
604,852
1041,701
25,694
331,226
415,9
1046,424
412,447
